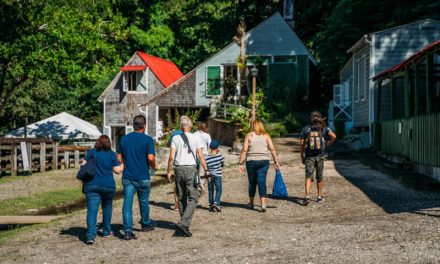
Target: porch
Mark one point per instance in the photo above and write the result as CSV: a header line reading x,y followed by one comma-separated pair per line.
x,y
408,122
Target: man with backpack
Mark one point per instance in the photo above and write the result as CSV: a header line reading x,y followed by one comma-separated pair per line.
x,y
186,151
312,149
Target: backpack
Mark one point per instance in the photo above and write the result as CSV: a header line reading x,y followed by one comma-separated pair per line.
x,y
315,141
86,172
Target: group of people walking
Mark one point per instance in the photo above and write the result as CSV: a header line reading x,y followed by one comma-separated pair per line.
x,y
194,158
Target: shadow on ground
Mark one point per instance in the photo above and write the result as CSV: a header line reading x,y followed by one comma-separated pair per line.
x,y
396,191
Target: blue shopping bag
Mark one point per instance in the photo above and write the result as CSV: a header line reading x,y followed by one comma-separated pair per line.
x,y
279,188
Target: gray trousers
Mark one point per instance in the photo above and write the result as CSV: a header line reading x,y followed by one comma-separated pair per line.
x,y
187,193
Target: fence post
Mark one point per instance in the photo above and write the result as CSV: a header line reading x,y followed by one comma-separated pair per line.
x,y
76,159
13,160
42,157
55,156
29,148
66,160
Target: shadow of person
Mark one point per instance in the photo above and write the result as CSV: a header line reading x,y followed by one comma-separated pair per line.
x,y
292,199
162,204
76,231
163,224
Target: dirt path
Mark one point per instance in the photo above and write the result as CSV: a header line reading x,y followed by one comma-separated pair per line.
x,y
367,217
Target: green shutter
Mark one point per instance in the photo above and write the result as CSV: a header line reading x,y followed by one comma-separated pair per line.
x,y
213,80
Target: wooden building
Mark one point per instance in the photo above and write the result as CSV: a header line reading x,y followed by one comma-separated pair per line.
x,y
155,87
142,77
283,62
372,54
410,126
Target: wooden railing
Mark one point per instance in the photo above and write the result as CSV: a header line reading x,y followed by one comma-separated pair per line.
x,y
42,155
224,110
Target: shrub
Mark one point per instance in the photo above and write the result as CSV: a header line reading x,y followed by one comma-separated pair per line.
x,y
276,129
292,122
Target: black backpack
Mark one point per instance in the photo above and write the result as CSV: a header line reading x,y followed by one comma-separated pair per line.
x,y
87,172
315,141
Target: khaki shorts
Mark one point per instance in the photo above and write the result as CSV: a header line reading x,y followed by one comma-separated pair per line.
x,y
313,163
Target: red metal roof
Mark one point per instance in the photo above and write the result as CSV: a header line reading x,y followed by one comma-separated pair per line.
x,y
408,61
166,71
134,68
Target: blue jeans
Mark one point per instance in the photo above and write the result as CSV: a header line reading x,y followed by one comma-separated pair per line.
x,y
215,183
142,187
257,173
94,195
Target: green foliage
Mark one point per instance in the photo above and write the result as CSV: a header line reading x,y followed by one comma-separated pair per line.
x,y
276,129
292,122
57,55
173,123
240,115
18,206
260,105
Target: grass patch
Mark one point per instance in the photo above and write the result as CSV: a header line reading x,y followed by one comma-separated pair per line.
x,y
6,235
18,206
6,179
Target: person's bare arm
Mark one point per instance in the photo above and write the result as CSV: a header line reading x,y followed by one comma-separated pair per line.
x,y
302,145
202,159
273,152
118,169
170,164
332,136
120,159
243,153
152,161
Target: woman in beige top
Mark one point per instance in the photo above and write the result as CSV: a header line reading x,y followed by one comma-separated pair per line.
x,y
256,147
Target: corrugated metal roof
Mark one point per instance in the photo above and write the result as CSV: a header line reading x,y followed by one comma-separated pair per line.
x,y
409,61
166,71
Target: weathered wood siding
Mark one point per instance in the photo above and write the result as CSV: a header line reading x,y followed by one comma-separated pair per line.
x,y
152,121
154,85
394,46
120,107
181,95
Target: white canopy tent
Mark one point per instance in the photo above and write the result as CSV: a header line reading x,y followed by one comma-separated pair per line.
x,y
62,126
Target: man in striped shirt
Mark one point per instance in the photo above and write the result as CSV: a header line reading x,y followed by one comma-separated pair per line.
x,y
214,162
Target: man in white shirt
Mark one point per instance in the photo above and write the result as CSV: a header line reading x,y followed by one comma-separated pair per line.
x,y
184,149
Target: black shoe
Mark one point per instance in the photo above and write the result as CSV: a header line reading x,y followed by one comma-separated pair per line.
x,y
211,208
320,200
306,201
184,230
90,241
150,227
129,236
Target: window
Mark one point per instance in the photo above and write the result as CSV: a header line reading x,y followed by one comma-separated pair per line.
x,y
264,60
285,59
135,81
213,80
361,68
365,79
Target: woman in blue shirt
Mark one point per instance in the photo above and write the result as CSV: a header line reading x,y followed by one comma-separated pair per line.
x,y
101,188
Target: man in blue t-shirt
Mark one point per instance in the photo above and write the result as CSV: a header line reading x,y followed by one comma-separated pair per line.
x,y
136,152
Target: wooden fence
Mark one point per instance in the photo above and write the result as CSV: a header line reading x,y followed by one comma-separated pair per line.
x,y
416,138
42,155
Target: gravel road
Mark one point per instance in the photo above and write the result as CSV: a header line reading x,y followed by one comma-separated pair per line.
x,y
367,217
